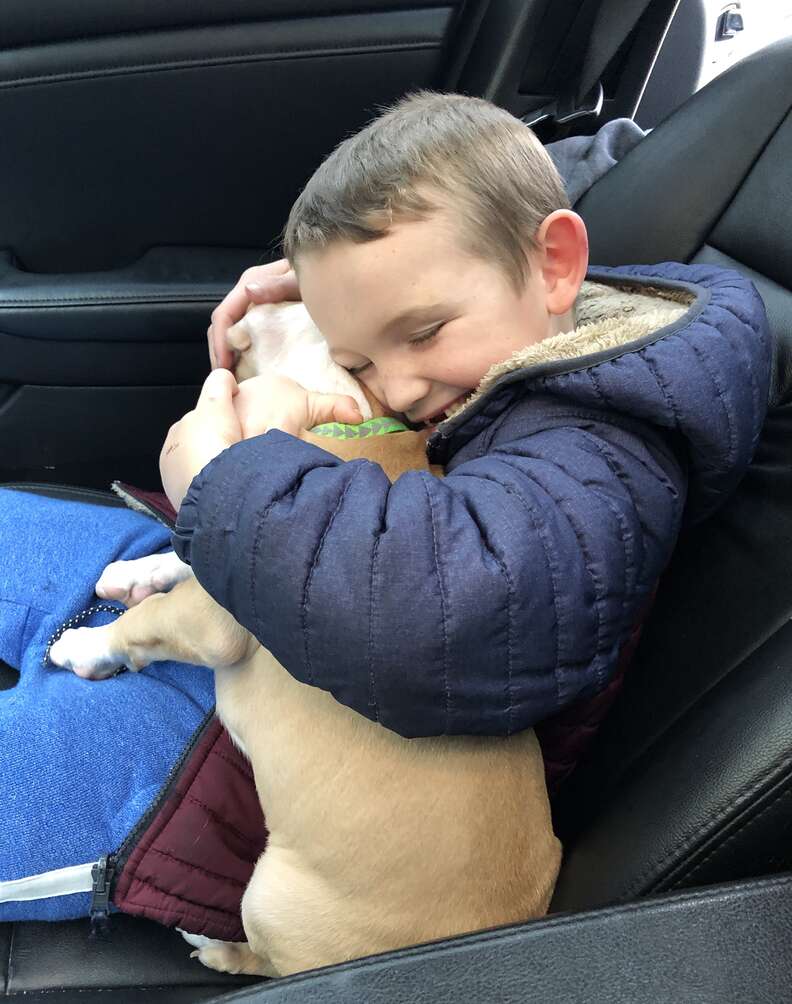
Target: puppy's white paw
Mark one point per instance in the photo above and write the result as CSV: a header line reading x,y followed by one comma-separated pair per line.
x,y
130,582
215,957
232,957
86,652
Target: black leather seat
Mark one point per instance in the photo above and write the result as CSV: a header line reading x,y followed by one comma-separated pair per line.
x,y
690,779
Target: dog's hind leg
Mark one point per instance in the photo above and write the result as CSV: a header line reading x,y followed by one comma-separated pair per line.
x,y
234,957
293,919
185,625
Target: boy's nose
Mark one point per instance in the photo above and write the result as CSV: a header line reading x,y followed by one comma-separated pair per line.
x,y
402,394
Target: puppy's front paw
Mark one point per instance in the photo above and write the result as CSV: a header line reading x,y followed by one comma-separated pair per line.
x,y
86,652
130,582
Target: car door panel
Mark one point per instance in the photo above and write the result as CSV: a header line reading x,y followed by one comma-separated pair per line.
x,y
150,154
124,141
151,151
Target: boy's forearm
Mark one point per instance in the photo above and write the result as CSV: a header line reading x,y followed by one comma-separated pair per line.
x,y
439,606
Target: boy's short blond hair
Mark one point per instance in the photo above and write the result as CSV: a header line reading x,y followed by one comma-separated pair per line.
x,y
426,153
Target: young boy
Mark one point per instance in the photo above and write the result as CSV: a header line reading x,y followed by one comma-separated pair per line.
x,y
578,423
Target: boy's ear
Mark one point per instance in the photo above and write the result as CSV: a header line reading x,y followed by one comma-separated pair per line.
x,y
563,258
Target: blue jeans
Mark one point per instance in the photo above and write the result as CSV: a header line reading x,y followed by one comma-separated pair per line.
x,y
80,761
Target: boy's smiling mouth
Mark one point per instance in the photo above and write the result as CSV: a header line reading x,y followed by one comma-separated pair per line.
x,y
444,412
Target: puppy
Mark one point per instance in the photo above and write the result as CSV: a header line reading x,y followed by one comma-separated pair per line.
x,y
375,841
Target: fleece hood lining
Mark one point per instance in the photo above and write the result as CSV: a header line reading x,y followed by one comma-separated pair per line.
x,y
610,316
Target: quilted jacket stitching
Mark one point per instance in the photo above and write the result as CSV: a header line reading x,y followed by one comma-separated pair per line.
x,y
309,580
588,562
373,573
254,550
247,775
721,395
443,602
213,814
569,513
626,539
509,617
151,884
199,868
489,546
553,568
627,535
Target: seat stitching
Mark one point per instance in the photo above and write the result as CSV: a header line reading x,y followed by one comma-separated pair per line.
x,y
284,52
691,871
10,960
687,843
122,299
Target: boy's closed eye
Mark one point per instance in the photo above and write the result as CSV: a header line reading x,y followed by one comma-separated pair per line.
x,y
419,339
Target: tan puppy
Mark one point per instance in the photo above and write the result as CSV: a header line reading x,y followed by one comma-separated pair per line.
x,y
375,841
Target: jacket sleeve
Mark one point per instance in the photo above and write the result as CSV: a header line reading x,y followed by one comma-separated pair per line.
x,y
478,603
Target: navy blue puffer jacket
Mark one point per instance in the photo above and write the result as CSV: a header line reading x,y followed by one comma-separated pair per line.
x,y
491,599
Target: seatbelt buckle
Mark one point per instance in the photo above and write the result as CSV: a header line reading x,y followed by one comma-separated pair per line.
x,y
567,108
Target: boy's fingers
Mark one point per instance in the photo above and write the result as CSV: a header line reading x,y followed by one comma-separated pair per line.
x,y
220,386
270,283
221,355
223,316
333,408
274,289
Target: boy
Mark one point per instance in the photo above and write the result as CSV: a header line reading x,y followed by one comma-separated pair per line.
x,y
437,254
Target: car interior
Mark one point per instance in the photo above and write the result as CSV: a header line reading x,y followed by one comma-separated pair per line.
x,y
150,153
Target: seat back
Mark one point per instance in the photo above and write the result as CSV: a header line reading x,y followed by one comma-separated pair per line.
x,y
690,778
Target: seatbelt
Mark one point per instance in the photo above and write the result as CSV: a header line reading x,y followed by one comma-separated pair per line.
x,y
614,21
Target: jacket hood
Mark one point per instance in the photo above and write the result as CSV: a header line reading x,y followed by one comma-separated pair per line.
x,y
683,348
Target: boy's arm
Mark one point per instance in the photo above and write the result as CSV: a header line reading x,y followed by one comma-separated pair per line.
x,y
480,603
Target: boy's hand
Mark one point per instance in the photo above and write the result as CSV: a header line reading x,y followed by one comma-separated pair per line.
x,y
200,435
271,283
271,401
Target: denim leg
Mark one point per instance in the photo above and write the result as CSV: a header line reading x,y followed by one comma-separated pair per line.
x,y
80,761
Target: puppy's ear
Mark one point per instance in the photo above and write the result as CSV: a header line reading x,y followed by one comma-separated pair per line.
x,y
377,410
238,336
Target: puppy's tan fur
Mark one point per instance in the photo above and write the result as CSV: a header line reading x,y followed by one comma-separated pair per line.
x,y
375,841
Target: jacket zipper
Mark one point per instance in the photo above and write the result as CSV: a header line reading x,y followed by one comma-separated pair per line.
x,y
99,913
106,871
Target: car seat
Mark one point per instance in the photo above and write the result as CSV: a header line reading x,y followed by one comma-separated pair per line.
x,y
689,781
